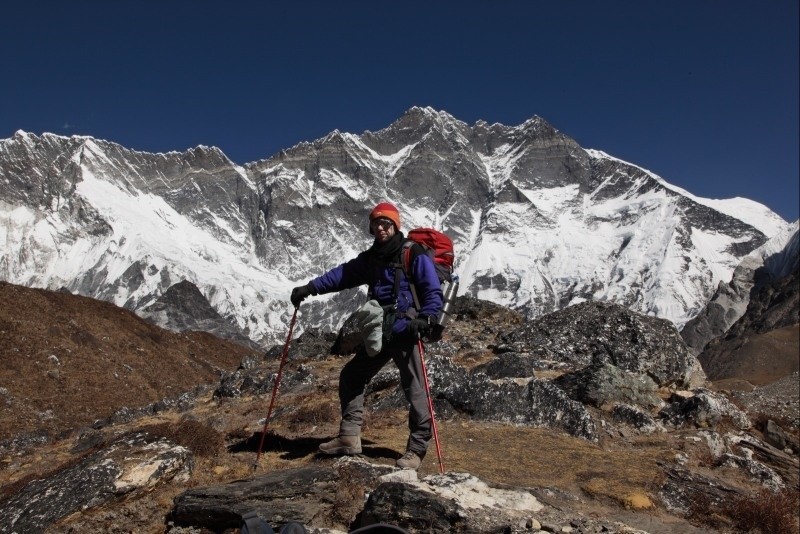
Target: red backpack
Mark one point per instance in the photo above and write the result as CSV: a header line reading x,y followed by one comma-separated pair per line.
x,y
437,245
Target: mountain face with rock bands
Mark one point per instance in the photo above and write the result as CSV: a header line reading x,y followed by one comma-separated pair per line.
x,y
775,262
538,222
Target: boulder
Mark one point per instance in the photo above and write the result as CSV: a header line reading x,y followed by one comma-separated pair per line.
x,y
449,502
511,365
636,418
775,436
260,380
313,495
703,409
757,470
772,467
527,401
598,332
684,490
603,385
279,497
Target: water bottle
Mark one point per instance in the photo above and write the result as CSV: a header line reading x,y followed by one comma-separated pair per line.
x,y
449,292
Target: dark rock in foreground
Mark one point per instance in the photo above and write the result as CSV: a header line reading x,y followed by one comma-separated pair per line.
x,y
278,497
135,462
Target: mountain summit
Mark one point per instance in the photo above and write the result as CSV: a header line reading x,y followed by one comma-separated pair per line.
x,y
539,222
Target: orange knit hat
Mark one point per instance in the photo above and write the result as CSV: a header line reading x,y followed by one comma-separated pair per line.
x,y
387,211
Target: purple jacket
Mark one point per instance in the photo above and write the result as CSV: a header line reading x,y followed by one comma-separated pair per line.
x,y
380,279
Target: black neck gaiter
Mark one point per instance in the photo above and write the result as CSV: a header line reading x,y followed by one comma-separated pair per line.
x,y
388,252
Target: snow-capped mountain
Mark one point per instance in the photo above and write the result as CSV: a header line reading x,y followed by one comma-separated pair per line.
x,y
538,222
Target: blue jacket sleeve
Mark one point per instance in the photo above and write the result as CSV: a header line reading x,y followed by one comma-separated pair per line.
x,y
349,274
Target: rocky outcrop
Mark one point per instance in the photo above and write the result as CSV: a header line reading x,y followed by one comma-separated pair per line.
x,y
684,489
761,346
279,496
704,409
527,401
725,307
773,261
133,463
354,493
635,417
594,333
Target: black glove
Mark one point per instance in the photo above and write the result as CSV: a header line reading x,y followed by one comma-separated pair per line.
x,y
299,294
418,328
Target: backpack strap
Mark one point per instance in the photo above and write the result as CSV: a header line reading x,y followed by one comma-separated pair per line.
x,y
408,254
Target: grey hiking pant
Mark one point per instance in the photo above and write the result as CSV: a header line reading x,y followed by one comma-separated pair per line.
x,y
360,370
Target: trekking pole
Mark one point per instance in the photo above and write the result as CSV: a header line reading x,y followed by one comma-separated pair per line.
x,y
430,406
275,387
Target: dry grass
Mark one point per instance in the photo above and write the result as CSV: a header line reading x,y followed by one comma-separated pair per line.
x,y
767,511
705,458
69,360
351,487
703,512
536,457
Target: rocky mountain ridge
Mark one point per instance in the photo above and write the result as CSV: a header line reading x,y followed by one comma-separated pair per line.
x,y
538,221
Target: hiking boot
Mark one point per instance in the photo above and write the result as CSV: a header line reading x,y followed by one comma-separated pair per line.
x,y
342,445
410,460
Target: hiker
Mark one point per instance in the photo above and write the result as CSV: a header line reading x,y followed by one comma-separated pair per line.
x,y
379,268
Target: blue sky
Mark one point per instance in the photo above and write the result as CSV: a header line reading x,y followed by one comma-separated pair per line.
x,y
704,93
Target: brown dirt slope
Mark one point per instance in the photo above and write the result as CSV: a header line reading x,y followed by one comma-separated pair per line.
x,y
761,359
68,360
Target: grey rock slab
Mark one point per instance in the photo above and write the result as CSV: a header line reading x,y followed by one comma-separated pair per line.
x,y
134,463
605,384
278,496
703,409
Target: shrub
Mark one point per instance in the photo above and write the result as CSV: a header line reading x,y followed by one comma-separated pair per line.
x,y
768,511
198,437
312,412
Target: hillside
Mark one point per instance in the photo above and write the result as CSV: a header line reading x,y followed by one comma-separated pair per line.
x,y
618,445
68,361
